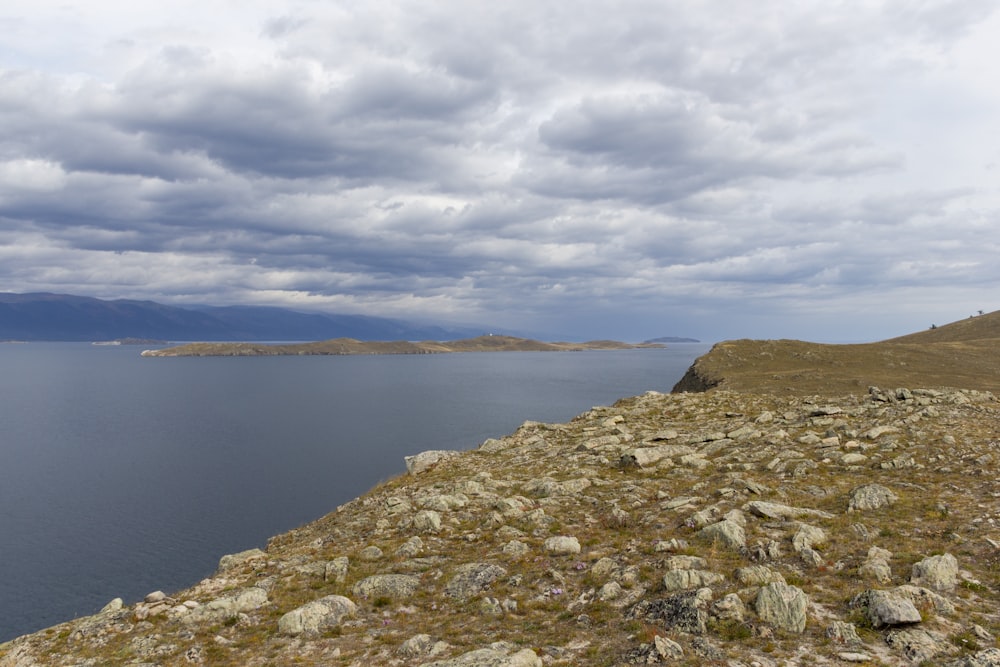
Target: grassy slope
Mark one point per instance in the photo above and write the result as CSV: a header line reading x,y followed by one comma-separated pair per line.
x,y
962,354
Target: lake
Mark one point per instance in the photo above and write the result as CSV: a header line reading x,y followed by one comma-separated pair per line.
x,y
121,475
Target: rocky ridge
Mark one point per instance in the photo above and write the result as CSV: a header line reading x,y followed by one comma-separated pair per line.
x,y
748,530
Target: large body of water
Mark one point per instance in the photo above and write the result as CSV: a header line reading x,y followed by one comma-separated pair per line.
x,y
120,475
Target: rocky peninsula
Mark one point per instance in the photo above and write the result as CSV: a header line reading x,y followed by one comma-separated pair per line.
x,y
343,346
728,527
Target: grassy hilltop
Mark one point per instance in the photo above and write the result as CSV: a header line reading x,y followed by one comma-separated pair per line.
x,y
962,354
792,514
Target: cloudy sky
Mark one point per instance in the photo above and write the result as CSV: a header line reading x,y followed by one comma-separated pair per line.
x,y
628,169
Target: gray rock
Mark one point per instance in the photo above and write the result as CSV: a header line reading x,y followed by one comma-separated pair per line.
x,y
491,657
645,457
876,566
870,497
729,608
778,511
515,549
686,612
416,646
667,649
318,615
987,658
886,609
231,561
758,575
228,606
727,532
937,572
410,548
843,633
392,586
370,554
418,463
782,606
807,537
471,579
336,570
427,521
916,644
679,580
685,563
562,545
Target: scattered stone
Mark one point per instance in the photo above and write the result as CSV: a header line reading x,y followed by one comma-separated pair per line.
x,y
729,608
391,586
229,606
562,545
418,463
937,572
843,633
491,657
782,606
916,644
758,575
427,521
986,658
336,569
686,612
232,561
870,497
777,511
727,532
370,554
410,548
471,579
679,580
886,609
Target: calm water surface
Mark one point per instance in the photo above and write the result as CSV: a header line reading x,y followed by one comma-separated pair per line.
x,y
120,475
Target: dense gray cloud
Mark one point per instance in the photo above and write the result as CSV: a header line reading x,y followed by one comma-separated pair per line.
x,y
588,169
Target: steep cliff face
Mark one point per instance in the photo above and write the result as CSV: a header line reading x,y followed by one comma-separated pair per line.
x,y
689,529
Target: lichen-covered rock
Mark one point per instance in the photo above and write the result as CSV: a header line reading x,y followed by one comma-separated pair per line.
x,y
391,586
686,612
987,658
471,579
562,545
491,657
886,609
679,580
232,561
418,463
870,497
937,572
782,606
228,606
727,532
316,616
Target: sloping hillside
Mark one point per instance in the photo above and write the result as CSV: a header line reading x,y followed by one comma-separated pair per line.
x,y
963,354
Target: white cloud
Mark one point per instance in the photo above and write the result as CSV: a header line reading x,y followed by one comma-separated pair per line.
x,y
630,169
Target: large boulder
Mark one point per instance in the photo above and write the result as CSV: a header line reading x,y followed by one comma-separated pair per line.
x,y
391,586
870,497
937,572
471,579
886,609
782,606
317,615
727,531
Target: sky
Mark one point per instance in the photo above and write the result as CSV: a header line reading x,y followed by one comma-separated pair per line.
x,y
708,168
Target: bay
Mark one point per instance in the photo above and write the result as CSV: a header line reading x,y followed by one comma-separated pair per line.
x,y
120,475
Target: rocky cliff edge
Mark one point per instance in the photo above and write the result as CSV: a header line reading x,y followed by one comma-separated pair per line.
x,y
748,530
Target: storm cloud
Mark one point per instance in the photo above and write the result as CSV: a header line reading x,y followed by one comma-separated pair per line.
x,y
591,169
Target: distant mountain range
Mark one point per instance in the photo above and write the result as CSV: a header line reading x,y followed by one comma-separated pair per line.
x,y
64,317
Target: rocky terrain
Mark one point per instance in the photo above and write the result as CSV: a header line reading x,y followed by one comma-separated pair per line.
x,y
742,528
340,346
684,529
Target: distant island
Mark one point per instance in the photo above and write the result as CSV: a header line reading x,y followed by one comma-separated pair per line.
x,y
346,346
672,339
